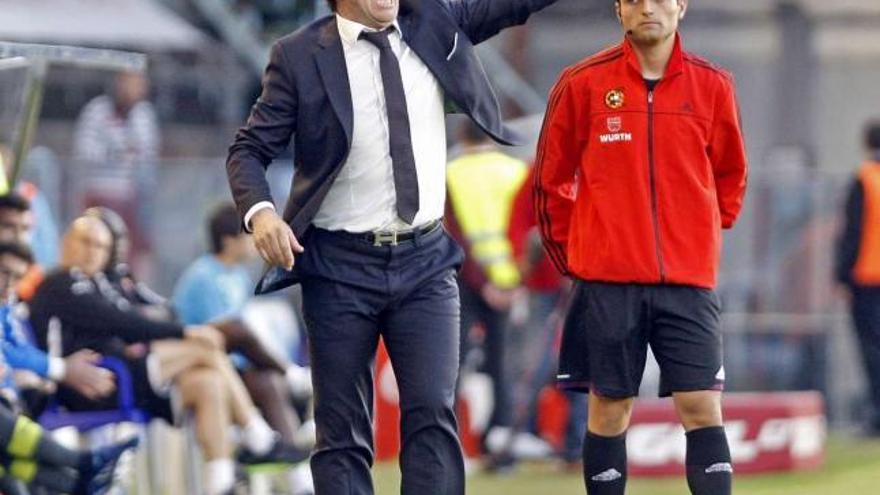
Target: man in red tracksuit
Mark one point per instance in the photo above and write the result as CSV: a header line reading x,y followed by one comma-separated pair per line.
x,y
650,136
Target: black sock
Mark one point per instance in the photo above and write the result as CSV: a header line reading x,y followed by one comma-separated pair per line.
x,y
605,464
709,469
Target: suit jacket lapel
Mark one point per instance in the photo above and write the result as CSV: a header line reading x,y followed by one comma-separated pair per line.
x,y
331,65
431,45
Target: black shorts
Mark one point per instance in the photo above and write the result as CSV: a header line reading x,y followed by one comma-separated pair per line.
x,y
609,327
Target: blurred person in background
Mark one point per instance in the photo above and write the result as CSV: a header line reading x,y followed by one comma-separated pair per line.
x,y
42,226
200,296
116,146
547,292
214,290
216,305
652,136
26,456
118,271
31,368
366,205
858,265
191,359
16,224
480,185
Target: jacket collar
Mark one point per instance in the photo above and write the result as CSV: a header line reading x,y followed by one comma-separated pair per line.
x,y
673,68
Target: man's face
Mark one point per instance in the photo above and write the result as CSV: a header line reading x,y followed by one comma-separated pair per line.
x,y
16,226
130,89
649,22
87,246
12,270
376,14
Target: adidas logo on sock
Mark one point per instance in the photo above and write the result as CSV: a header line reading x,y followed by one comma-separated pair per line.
x,y
719,467
608,475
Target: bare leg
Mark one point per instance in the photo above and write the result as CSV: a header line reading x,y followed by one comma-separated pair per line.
x,y
177,356
240,338
205,392
272,395
243,408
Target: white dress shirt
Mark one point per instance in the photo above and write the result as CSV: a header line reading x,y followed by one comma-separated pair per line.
x,y
362,198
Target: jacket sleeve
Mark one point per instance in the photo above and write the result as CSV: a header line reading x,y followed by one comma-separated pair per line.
x,y
25,356
727,153
482,19
87,309
847,252
556,167
265,135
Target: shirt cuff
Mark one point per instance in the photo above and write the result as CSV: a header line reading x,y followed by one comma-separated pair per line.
x,y
57,369
254,209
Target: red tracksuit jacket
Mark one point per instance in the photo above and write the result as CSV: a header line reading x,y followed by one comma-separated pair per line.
x,y
634,186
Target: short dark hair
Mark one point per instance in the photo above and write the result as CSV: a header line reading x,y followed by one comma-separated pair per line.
x,y
14,201
872,135
223,222
332,4
17,249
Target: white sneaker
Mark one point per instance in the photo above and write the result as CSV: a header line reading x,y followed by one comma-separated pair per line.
x,y
525,445
299,379
306,436
300,480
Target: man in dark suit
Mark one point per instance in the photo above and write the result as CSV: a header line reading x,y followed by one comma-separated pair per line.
x,y
363,93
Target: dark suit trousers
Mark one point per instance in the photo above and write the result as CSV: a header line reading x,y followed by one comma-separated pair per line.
x,y
353,293
866,316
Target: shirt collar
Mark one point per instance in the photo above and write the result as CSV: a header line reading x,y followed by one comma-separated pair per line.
x,y
350,30
676,60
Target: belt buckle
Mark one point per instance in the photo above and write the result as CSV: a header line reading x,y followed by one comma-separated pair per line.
x,y
380,238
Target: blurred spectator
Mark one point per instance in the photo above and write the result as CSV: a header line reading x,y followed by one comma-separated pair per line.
x,y
116,145
214,290
30,364
44,231
192,359
858,265
546,290
481,185
16,224
123,285
217,285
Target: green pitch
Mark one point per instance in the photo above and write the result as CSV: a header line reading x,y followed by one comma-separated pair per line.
x,y
852,468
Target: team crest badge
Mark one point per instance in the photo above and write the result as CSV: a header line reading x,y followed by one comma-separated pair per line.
x,y
614,99
614,124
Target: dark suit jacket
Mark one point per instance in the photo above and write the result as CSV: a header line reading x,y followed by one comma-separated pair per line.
x,y
306,95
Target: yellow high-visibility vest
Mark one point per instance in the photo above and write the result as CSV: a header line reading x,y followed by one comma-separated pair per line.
x,y
482,187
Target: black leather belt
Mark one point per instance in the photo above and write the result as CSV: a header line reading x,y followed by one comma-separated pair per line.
x,y
393,238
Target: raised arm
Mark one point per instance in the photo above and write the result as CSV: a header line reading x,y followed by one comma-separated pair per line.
x,y
482,19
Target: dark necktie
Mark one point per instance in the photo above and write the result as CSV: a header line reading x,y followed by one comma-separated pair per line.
x,y
406,183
